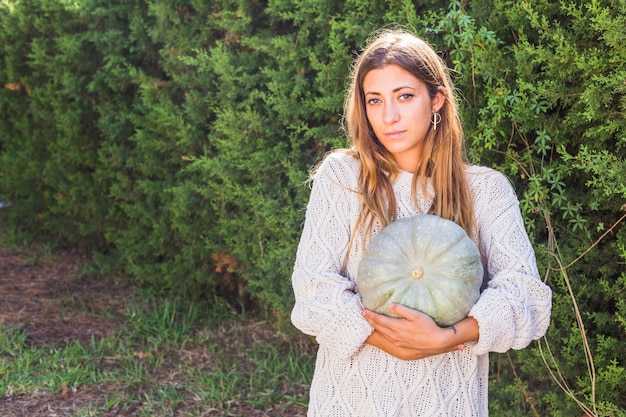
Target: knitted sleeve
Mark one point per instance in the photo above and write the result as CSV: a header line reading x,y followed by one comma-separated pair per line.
x,y
515,307
326,305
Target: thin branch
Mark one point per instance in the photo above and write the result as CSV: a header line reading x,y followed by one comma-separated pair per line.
x,y
583,333
596,242
524,392
559,379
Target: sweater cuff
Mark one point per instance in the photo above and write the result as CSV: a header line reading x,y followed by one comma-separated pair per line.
x,y
342,339
496,323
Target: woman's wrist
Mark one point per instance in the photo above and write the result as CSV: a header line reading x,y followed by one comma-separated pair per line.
x,y
460,333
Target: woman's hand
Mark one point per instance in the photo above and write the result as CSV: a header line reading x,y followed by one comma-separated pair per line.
x,y
414,335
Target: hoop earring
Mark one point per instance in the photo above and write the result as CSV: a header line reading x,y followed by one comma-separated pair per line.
x,y
435,120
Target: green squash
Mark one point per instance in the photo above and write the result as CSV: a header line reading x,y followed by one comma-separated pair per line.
x,y
424,262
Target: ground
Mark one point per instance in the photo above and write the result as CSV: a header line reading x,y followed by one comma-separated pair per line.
x,y
56,305
34,294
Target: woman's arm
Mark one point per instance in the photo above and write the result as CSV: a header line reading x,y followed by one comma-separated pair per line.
x,y
514,308
327,306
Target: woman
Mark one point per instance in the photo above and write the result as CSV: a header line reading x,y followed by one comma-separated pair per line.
x,y
407,158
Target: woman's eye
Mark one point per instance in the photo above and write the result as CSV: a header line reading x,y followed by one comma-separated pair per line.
x,y
373,101
406,96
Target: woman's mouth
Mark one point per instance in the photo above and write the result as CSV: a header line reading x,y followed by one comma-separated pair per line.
x,y
395,134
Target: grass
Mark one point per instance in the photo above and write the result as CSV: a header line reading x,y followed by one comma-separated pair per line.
x,y
169,358
163,357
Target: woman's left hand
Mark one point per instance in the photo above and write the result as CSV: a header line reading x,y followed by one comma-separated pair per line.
x,y
414,335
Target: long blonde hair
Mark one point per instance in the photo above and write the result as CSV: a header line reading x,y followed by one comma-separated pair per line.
x,y
443,159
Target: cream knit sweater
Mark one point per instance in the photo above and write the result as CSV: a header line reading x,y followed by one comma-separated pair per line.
x,y
355,379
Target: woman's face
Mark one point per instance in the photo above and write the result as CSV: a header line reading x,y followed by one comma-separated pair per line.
x,y
399,110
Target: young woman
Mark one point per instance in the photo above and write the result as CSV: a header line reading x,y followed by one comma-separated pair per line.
x,y
407,158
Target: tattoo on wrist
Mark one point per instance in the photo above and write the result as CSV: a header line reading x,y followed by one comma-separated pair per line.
x,y
453,328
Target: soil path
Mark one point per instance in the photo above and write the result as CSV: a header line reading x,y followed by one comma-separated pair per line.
x,y
49,299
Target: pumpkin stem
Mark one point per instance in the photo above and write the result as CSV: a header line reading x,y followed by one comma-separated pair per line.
x,y
418,272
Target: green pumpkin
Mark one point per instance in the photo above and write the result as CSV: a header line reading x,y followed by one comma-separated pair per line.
x,y
424,262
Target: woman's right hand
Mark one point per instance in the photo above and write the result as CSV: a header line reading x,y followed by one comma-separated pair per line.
x,y
415,335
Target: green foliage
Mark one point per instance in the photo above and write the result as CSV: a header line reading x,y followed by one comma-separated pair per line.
x,y
546,97
49,144
173,138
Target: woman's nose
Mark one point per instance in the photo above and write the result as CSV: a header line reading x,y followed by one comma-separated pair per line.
x,y
390,113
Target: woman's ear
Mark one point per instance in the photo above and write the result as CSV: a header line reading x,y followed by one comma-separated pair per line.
x,y
439,99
